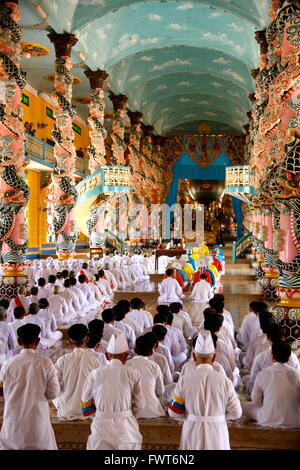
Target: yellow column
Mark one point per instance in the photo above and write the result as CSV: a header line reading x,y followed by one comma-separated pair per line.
x,y
33,181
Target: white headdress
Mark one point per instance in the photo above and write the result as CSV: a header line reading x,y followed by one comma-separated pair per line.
x,y
204,343
117,344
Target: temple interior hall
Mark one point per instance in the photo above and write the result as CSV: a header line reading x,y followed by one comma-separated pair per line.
x,y
149,225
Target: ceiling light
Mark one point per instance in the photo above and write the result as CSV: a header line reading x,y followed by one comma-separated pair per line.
x,y
40,11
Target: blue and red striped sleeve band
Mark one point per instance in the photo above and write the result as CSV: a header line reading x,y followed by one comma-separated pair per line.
x,y
88,408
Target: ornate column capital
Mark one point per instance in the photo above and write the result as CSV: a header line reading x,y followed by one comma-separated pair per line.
x,y
118,101
261,38
135,117
96,78
63,43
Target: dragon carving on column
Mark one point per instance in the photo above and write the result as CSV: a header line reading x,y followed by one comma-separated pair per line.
x,y
118,146
98,133
14,192
133,149
64,150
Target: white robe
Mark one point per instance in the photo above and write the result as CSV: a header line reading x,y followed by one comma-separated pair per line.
x,y
202,292
170,291
111,279
140,318
134,325
108,330
50,324
72,302
181,323
152,386
7,335
72,371
162,362
59,308
264,360
191,366
244,332
105,288
129,332
29,381
16,324
275,397
24,301
209,398
43,293
186,316
116,393
162,349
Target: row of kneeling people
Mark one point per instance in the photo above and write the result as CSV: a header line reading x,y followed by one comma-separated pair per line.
x,y
117,387
121,276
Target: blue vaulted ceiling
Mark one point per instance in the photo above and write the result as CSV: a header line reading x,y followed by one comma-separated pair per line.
x,y
182,63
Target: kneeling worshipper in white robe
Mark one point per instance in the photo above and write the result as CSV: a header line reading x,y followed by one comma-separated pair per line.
x,y
59,307
152,384
7,334
113,395
86,272
72,370
169,289
19,301
140,271
119,276
88,292
33,298
110,278
49,319
191,364
204,398
276,392
108,317
71,299
28,380
80,296
105,286
202,291
265,359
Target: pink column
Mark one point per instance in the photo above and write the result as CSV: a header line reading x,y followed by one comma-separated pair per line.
x,y
289,251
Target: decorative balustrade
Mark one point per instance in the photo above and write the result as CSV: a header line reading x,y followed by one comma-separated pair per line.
x,y
39,149
240,182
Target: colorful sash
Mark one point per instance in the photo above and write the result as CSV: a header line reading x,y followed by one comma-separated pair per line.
x,y
18,302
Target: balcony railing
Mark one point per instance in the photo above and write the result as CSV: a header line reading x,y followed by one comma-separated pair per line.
x,y
43,152
240,182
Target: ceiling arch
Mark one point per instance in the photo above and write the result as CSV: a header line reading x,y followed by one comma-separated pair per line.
x,y
157,109
199,113
139,68
78,13
182,82
192,127
164,55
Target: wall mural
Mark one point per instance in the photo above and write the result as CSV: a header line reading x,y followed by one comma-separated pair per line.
x,y
204,150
